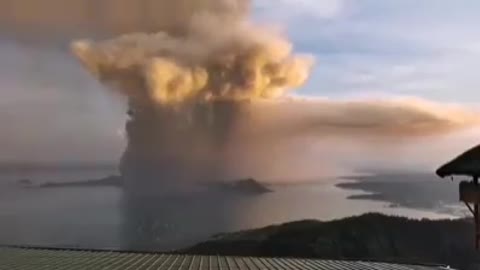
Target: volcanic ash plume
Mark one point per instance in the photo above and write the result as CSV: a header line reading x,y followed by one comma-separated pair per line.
x,y
237,62
195,88
187,90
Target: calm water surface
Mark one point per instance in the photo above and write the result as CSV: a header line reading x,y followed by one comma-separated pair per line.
x,y
103,217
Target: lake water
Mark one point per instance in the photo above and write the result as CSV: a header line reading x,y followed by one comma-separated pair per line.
x,y
104,217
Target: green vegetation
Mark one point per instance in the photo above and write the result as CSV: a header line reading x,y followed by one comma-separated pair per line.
x,y
370,236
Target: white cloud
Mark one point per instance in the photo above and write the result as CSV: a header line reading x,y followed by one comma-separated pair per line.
x,y
396,48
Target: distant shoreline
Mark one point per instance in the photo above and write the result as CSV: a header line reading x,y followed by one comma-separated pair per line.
x,y
28,167
407,190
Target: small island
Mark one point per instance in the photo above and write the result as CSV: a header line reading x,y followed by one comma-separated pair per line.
x,y
112,180
24,182
244,186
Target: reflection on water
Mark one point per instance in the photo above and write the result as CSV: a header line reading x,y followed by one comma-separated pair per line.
x,y
175,221
77,217
84,217
103,217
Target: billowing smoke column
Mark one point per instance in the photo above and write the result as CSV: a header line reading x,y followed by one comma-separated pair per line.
x,y
188,86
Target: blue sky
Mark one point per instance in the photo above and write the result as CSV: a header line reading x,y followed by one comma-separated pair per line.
x,y
428,48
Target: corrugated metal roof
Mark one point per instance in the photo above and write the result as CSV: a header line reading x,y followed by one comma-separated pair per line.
x,y
25,259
